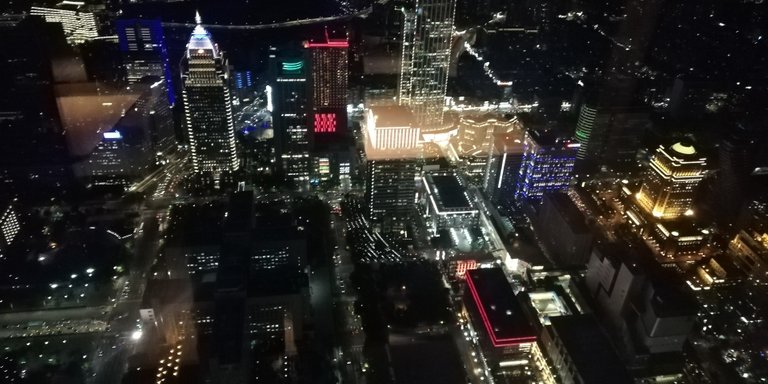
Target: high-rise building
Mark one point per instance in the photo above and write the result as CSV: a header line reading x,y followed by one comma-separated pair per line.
x,y
139,140
749,250
738,156
9,227
426,56
475,142
329,85
584,127
671,181
610,137
392,154
548,161
144,51
208,106
32,147
563,230
503,167
581,352
289,116
79,26
391,128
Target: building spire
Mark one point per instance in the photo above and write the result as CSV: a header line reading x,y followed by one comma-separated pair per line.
x,y
198,19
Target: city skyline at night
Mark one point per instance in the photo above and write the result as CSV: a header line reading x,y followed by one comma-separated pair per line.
x,y
383,192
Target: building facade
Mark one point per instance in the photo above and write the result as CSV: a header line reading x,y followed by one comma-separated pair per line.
x,y
208,106
447,203
548,161
79,26
425,60
672,178
563,230
9,227
330,81
145,53
289,117
749,250
393,155
503,167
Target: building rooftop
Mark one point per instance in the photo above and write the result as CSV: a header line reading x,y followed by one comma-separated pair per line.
x,y
552,138
448,192
501,312
201,38
392,116
548,304
590,350
239,213
568,211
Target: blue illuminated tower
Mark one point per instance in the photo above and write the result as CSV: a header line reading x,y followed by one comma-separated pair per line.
x,y
548,160
144,51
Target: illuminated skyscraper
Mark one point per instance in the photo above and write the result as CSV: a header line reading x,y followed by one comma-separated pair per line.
x,y
584,127
671,181
329,85
392,154
144,51
32,142
426,56
610,136
548,161
207,105
9,226
79,27
289,117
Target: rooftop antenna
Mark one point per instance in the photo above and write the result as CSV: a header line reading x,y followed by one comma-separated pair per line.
x,y
198,19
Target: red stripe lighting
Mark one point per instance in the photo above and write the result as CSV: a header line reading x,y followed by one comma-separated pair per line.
x,y
329,44
506,342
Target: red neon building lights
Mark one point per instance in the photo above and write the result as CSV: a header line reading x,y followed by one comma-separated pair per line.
x,y
325,123
329,43
504,342
462,266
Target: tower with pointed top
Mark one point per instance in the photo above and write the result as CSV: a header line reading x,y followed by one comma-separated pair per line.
x,y
208,105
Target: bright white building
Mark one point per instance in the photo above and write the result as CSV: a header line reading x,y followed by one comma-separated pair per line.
x,y
78,26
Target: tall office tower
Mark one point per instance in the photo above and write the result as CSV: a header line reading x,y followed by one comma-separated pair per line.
x,y
329,84
548,160
135,130
208,106
78,26
671,181
32,147
392,154
144,51
749,250
9,226
289,116
610,136
584,128
503,167
426,56
738,155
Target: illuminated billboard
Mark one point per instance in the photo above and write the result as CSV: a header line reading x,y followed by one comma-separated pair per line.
x,y
325,122
292,67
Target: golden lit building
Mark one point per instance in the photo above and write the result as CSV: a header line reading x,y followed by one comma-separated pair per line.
x,y
750,252
669,188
